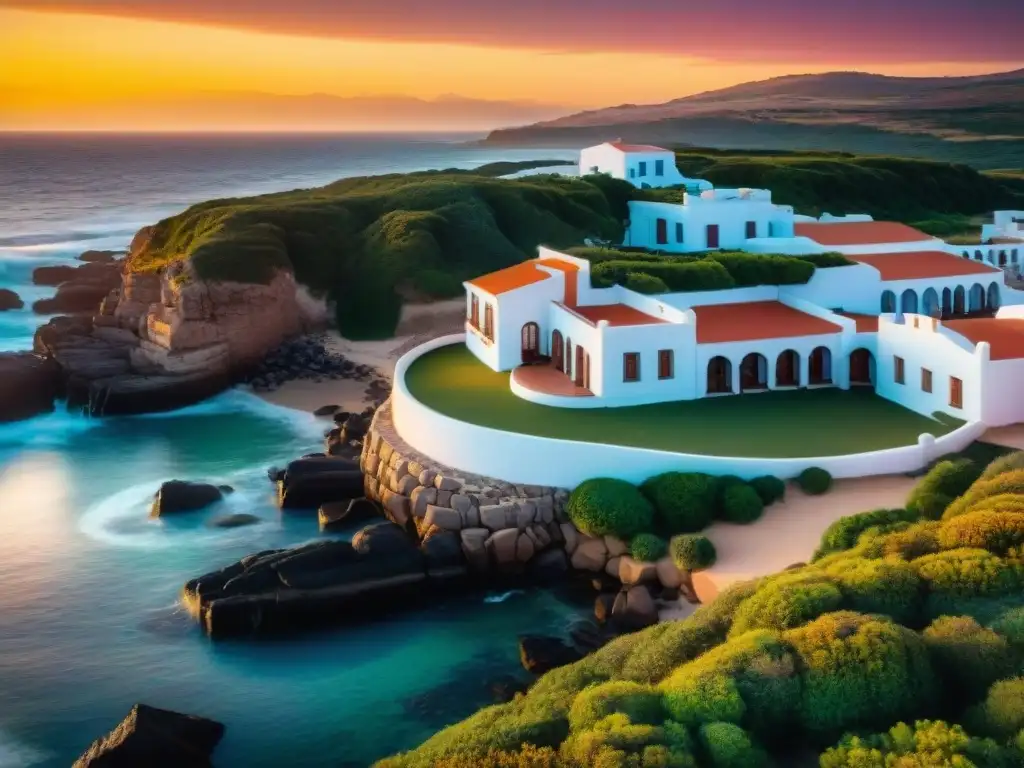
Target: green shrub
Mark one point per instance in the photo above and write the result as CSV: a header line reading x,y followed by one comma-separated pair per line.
x,y
968,573
750,269
647,548
1010,624
608,507
729,746
944,482
618,743
770,489
995,531
929,744
891,587
1008,463
844,533
1011,482
814,480
685,501
916,540
787,600
691,552
642,283
678,275
741,504
640,703
838,694
1001,715
967,655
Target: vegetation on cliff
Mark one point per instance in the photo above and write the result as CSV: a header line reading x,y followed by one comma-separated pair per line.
x,y
902,643
369,243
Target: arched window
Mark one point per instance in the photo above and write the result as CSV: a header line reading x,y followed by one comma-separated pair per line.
x,y
557,350
978,256
993,296
821,366
753,372
530,342
947,301
888,302
1002,258
719,375
930,303
977,298
862,367
908,302
959,300
787,369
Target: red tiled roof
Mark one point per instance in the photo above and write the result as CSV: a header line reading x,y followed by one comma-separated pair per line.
x,y
617,314
860,233
1005,335
510,278
627,148
917,265
865,323
571,279
756,320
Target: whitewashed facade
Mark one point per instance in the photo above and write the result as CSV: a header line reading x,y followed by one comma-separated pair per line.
x,y
642,165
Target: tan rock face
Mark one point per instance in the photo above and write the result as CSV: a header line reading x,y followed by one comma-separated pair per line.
x,y
668,574
590,555
633,572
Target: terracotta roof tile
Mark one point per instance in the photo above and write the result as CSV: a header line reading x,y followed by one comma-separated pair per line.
x,y
865,323
752,321
1005,335
860,233
627,148
917,265
617,314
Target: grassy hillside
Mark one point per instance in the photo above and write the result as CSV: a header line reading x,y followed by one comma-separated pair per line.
x,y
943,199
370,242
900,644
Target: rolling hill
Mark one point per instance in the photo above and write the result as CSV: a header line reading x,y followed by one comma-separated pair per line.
x,y
977,120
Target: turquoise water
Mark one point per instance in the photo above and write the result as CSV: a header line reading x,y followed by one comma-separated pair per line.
x,y
89,615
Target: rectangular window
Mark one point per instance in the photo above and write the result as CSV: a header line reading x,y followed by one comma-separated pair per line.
x,y
659,167
665,366
956,392
712,234
751,229
679,231
489,321
898,365
661,231
631,366
926,380
642,168
474,311
632,173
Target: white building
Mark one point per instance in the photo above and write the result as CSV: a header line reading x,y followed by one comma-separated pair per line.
x,y
642,165
715,218
922,325
1006,227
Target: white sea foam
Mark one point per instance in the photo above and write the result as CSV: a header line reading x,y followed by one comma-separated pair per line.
x,y
503,596
15,755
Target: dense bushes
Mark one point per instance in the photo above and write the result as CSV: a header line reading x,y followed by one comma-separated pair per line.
x,y
729,746
1007,483
944,482
1001,714
677,274
969,655
741,504
646,547
685,501
928,744
770,489
814,480
641,283
605,506
995,531
786,601
1007,463
750,269
691,552
844,532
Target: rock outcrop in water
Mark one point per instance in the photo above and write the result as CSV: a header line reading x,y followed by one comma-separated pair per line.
x,y
158,738
29,383
10,300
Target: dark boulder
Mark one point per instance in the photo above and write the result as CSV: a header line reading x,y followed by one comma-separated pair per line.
x,y
634,609
603,605
327,410
318,462
587,636
29,384
127,394
236,520
100,257
504,689
541,654
107,275
179,496
341,417
342,514
73,298
550,566
443,553
60,330
10,300
313,489
155,737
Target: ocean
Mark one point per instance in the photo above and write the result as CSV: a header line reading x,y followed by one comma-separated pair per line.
x,y
90,621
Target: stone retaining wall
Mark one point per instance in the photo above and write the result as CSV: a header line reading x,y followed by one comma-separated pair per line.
x,y
502,526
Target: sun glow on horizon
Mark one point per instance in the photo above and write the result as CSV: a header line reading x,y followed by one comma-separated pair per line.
x,y
61,71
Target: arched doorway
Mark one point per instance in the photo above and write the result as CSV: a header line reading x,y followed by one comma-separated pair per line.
x,y
787,369
568,357
888,302
557,350
581,367
908,302
993,296
947,301
1002,258
930,303
862,367
977,303
753,373
978,256
719,375
531,343
821,366
959,301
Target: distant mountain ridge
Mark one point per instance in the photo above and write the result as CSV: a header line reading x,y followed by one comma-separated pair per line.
x,y
855,111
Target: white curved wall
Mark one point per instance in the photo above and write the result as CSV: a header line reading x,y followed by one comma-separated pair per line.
x,y
535,460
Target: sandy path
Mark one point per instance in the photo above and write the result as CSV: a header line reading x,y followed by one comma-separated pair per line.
x,y
790,530
1011,436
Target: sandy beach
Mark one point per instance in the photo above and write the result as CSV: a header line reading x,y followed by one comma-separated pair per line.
x,y
419,323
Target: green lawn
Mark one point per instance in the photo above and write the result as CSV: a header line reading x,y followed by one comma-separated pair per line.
x,y
821,422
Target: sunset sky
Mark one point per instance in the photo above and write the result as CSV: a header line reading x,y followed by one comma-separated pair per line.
x,y
176,64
